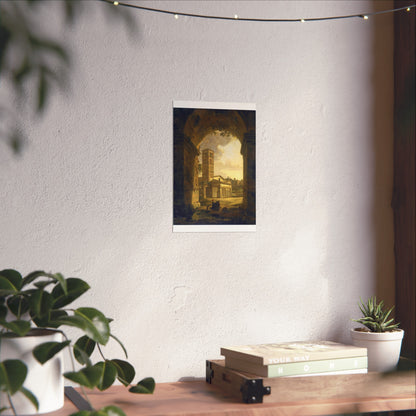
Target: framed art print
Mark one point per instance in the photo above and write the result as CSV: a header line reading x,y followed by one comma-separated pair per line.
x,y
214,167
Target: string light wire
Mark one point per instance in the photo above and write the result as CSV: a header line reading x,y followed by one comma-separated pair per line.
x,y
364,16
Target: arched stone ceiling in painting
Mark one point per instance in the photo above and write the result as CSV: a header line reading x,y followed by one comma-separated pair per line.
x,y
203,122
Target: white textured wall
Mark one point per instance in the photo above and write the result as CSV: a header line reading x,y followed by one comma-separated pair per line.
x,y
92,194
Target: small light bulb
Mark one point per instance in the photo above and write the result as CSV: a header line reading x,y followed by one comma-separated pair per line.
x,y
176,16
365,17
115,3
236,16
302,20
408,9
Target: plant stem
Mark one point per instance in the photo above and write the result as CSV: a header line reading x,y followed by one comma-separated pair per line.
x,y
19,310
73,369
101,353
11,404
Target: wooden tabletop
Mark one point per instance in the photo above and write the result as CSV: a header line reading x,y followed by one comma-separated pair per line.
x,y
198,398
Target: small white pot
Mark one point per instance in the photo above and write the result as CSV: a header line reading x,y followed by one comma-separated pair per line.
x,y
44,381
383,348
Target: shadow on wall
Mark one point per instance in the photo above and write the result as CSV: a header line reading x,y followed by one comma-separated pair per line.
x,y
368,240
382,142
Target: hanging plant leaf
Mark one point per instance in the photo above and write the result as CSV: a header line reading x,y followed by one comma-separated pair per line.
x,y
98,328
3,312
91,321
43,89
12,375
61,280
31,277
18,305
20,73
125,371
75,321
108,374
18,327
110,411
7,287
57,49
145,386
83,358
13,276
54,316
40,304
43,284
88,376
54,277
44,352
75,288
30,396
83,349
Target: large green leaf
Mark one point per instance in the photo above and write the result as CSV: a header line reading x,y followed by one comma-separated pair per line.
x,y
53,278
55,315
75,321
7,287
75,288
92,322
108,374
110,411
18,327
12,375
3,312
83,413
83,349
145,386
43,284
31,277
40,304
61,280
45,351
18,305
13,276
125,371
29,395
88,376
98,328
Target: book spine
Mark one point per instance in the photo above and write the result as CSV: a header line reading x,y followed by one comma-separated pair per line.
x,y
313,367
288,369
333,373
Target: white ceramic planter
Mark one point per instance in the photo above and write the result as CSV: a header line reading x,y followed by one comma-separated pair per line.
x,y
383,348
44,381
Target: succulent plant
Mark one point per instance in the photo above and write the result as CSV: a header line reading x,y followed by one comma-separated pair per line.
x,y
375,318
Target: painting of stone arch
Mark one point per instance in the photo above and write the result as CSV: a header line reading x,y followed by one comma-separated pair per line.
x,y
214,167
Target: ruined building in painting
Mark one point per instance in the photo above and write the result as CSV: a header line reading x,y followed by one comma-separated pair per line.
x,y
207,165
211,186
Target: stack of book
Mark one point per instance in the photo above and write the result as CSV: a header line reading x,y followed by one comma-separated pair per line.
x,y
296,359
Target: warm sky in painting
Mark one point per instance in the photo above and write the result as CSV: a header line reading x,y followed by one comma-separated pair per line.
x,y
228,161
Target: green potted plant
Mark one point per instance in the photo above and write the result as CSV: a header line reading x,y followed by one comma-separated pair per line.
x,y
34,311
380,335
